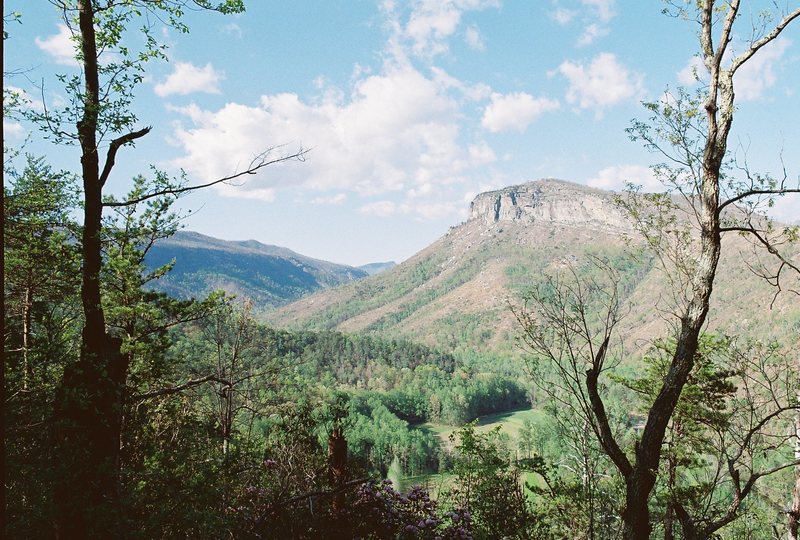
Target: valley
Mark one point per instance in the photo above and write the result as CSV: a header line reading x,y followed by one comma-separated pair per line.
x,y
554,333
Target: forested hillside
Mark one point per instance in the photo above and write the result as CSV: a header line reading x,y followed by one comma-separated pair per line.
x,y
268,276
567,363
458,292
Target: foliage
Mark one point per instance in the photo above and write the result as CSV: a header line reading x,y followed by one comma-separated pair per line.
x,y
379,511
489,485
728,432
41,323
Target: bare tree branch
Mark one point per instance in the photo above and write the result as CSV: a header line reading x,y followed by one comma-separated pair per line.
x,y
114,146
755,192
258,163
754,47
177,389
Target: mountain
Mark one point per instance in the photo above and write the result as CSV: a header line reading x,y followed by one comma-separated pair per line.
x,y
456,293
268,275
377,268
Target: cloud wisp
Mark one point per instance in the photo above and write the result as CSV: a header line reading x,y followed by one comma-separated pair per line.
x,y
187,78
600,83
515,111
431,23
60,46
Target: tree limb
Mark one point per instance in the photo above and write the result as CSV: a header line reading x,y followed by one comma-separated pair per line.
x,y
177,389
258,163
606,436
767,244
112,151
753,192
745,56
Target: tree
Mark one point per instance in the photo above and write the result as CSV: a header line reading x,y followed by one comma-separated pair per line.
x,y
793,513
488,485
692,134
37,228
41,328
98,118
728,431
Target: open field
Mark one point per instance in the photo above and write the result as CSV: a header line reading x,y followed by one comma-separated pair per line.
x,y
509,422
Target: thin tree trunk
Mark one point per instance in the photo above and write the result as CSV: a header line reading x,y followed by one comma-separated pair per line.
x,y
794,509
27,305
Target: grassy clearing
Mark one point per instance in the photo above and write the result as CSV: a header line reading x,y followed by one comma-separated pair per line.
x,y
510,423
435,483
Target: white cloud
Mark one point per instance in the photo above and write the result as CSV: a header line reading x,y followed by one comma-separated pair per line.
x,y
379,209
233,29
694,71
12,129
602,9
752,79
787,209
476,92
188,79
481,154
22,98
473,38
239,191
600,84
758,73
432,22
515,111
394,132
337,199
421,210
429,24
435,210
615,178
563,16
594,17
591,33
60,46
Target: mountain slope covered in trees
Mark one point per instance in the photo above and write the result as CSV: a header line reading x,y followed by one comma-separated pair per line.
x,y
267,275
457,292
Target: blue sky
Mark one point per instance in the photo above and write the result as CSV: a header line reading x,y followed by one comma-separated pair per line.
x,y
410,108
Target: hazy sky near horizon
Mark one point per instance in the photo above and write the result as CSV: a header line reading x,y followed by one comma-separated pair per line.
x,y
409,109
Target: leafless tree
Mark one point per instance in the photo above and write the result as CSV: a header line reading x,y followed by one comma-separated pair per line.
x,y
692,134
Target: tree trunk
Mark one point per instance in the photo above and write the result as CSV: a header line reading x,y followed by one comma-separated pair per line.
x,y
794,509
337,463
669,514
88,406
27,307
719,113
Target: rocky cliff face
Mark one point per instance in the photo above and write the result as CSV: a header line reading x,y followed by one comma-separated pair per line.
x,y
549,201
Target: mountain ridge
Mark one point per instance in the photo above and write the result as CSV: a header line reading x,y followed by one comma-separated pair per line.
x,y
268,275
457,291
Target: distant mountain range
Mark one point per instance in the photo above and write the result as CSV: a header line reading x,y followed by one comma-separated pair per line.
x,y
455,294
377,268
268,275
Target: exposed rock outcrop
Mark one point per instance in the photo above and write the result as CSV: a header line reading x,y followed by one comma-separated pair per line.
x,y
550,201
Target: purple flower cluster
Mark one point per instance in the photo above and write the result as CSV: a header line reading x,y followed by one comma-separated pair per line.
x,y
381,512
